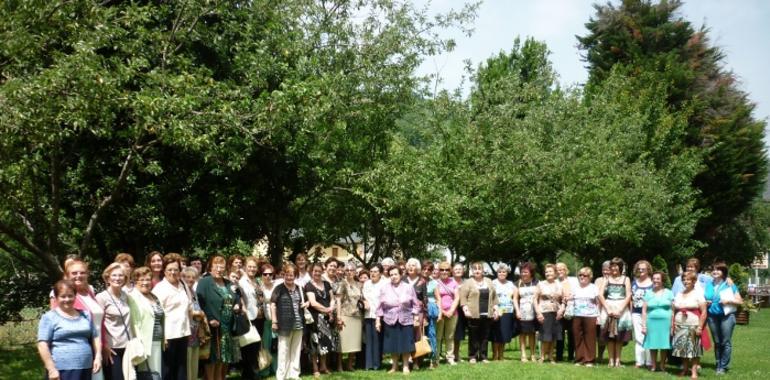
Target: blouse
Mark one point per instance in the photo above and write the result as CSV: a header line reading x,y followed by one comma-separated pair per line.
x,y
176,308
116,318
549,296
398,303
585,301
371,293
504,296
69,339
349,295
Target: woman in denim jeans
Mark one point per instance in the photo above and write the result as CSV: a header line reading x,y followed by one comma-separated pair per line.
x,y
720,323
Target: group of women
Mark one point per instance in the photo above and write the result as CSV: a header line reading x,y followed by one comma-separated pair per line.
x,y
161,321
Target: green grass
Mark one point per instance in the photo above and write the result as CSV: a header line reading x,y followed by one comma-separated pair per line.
x,y
751,360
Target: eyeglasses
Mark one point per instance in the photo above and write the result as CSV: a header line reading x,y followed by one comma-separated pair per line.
x,y
443,270
582,275
267,274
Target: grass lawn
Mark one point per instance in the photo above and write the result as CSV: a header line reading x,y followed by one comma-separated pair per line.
x,y
750,360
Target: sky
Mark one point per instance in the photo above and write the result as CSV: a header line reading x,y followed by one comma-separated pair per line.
x,y
738,27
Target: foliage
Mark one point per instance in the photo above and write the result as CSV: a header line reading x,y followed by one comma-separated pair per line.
x,y
659,265
740,277
185,125
649,40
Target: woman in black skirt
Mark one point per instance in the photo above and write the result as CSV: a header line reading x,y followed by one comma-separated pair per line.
x,y
504,328
398,312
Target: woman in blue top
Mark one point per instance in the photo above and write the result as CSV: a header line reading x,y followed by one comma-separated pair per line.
x,y
67,341
721,315
656,320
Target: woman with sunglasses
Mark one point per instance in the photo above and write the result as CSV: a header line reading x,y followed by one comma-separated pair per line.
x,y
266,285
448,293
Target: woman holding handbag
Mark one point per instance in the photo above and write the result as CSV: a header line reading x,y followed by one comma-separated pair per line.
x,y
219,303
117,318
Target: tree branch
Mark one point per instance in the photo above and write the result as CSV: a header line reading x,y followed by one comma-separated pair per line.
x,y
18,255
128,164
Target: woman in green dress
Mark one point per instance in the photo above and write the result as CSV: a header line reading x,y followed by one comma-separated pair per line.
x,y
218,302
656,320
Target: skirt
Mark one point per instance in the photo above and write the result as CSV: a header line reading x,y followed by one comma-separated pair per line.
x,y
503,329
686,343
550,330
397,339
351,334
528,327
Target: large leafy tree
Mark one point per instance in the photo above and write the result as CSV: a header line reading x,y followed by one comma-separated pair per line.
x,y
650,40
129,125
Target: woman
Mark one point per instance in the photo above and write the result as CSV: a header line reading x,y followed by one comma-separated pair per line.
x,y
503,329
567,283
524,303
174,300
76,270
693,265
147,321
264,325
397,314
287,306
689,324
67,341
478,300
235,263
303,276
721,315
448,293
114,301
641,284
600,343
350,316
253,299
128,263
656,321
458,275
197,322
371,292
320,296
154,261
585,305
219,303
432,311
420,284
615,297
550,310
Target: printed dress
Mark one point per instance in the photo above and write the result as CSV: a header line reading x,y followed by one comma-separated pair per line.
x,y
686,342
528,323
619,328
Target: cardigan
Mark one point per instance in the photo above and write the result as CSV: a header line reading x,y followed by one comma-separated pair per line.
x,y
469,296
142,319
211,302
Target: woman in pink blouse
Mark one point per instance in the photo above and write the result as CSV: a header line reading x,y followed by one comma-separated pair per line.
x,y
397,313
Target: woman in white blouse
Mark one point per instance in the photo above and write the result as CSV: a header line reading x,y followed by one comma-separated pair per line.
x,y
176,305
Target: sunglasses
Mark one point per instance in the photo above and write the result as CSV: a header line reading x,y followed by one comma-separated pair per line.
x,y
267,274
444,270
582,275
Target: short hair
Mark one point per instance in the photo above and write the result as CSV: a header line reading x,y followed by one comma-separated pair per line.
x,y
606,264
586,271
562,265
361,273
444,265
191,270
388,261
108,271
639,263
232,259
286,268
72,262
414,262
722,267
171,258
265,266
350,265
140,272
251,259
477,265
61,285
694,262
312,266
125,257
690,275
427,265
149,257
529,267
619,262
331,260
395,267
551,266
663,275
378,266
217,258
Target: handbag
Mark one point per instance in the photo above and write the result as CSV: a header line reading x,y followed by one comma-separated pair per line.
x,y
241,325
265,358
204,352
569,310
422,346
146,373
252,336
307,315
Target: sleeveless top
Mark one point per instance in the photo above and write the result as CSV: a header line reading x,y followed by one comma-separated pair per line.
x,y
615,292
526,299
637,296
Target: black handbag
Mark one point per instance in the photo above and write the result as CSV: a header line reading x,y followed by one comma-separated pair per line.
x,y
143,372
241,324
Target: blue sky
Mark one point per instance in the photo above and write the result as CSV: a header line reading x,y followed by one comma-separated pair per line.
x,y
739,27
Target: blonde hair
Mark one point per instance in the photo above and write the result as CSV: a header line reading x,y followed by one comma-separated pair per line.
x,y
111,268
562,265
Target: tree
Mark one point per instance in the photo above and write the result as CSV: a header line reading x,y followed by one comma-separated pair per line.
x,y
650,40
193,124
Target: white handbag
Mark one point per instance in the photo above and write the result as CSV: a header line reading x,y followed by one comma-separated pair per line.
x,y
250,337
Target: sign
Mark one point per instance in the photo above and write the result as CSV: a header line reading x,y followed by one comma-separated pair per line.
x,y
760,262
